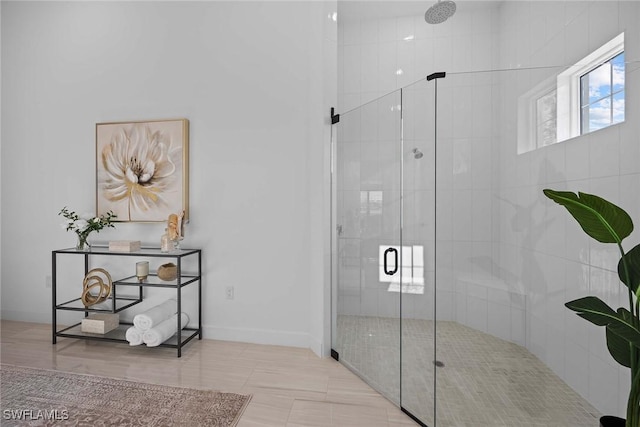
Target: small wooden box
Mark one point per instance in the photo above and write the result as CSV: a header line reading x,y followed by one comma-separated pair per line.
x,y
124,245
100,323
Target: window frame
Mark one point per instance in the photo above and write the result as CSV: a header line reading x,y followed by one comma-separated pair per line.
x,y
568,83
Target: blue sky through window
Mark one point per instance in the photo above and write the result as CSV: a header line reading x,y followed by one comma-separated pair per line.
x,y
602,95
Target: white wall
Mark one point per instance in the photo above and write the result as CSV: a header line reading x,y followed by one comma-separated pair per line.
x,y
535,256
549,253
249,78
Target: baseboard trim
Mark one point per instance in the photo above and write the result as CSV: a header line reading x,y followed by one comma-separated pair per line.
x,y
255,336
316,346
259,336
25,316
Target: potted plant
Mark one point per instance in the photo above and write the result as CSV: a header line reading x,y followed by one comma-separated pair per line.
x,y
84,224
608,223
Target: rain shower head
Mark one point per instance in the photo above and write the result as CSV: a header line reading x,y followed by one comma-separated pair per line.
x,y
417,154
440,12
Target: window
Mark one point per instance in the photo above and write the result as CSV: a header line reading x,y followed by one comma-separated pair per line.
x,y
587,96
370,203
538,116
591,93
547,119
602,95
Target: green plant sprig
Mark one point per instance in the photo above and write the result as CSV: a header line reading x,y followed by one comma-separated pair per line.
x,y
85,224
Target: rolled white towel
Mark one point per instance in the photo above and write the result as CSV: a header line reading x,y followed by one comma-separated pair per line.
x,y
154,316
134,336
165,330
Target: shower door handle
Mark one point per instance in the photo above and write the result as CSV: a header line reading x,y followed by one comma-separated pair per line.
x,y
395,262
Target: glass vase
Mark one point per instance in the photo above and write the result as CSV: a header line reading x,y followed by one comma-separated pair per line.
x,y
83,243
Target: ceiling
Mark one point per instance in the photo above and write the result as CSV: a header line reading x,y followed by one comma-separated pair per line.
x,y
349,10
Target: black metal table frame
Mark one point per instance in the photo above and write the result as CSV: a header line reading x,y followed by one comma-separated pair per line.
x,y
181,340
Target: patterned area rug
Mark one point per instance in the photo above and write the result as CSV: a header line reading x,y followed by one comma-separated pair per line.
x,y
45,397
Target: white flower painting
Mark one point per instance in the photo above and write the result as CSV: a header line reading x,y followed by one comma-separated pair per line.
x,y
142,169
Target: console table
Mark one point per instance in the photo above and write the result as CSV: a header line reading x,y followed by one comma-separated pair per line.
x,y
116,303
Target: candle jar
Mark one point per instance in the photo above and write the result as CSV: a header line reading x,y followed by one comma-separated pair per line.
x,y
142,270
165,242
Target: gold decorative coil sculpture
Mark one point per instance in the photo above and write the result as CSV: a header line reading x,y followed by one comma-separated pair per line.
x,y
99,281
168,271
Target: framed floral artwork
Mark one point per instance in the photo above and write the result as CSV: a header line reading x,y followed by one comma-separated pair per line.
x,y
142,169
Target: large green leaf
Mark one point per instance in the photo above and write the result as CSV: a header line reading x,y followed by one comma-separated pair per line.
x,y
593,309
599,313
600,219
620,348
632,259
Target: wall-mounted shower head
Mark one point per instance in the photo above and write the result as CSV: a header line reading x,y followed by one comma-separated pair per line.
x,y
417,154
440,12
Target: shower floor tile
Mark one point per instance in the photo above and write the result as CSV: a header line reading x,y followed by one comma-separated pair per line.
x,y
483,380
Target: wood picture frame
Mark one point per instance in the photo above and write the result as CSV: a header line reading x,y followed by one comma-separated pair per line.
x,y
142,169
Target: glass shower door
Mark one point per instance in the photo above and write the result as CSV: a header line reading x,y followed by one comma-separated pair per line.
x,y
366,193
502,258
418,361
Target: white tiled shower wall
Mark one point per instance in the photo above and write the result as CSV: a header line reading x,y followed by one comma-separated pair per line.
x,y
550,254
372,50
508,257
377,56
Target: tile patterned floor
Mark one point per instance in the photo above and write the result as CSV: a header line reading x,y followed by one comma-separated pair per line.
x,y
290,387
485,381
